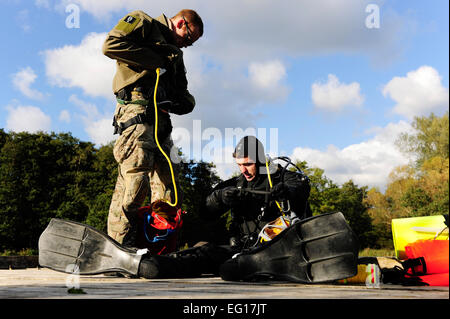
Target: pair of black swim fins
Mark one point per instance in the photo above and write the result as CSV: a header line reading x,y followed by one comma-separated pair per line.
x,y
318,249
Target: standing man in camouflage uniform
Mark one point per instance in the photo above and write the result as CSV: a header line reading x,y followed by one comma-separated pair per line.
x,y
140,44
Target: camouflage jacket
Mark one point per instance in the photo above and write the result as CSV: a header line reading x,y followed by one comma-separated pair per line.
x,y
140,45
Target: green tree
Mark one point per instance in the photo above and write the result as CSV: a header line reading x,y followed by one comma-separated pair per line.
x,y
40,175
420,189
3,137
430,139
101,187
323,191
197,180
380,211
326,196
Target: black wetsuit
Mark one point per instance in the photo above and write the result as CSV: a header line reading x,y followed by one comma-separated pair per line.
x,y
253,211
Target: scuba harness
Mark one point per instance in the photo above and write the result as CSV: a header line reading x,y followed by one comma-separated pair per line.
x,y
124,98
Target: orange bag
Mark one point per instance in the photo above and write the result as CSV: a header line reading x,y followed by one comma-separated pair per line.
x,y
159,225
435,254
436,279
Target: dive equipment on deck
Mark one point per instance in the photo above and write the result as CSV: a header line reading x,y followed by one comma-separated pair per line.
x,y
321,248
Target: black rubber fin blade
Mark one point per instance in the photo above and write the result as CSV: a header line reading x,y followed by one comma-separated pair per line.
x,y
73,247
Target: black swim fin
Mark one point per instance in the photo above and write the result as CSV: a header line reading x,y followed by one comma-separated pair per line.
x,y
317,249
73,247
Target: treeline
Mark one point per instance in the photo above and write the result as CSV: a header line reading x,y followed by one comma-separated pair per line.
x,y
50,175
420,188
43,176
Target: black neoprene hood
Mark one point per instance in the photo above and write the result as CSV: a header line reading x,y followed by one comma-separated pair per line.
x,y
250,146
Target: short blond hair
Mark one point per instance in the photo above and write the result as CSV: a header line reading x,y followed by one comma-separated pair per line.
x,y
192,17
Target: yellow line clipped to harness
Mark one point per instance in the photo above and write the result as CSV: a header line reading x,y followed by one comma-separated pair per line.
x,y
270,183
157,141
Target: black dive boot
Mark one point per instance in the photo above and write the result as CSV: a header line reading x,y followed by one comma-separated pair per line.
x,y
188,263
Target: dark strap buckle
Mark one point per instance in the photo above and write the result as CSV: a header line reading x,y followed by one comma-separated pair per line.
x,y
119,127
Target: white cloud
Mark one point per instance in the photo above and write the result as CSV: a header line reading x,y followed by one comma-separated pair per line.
x,y
367,163
27,119
267,79
266,75
100,131
64,116
335,96
83,66
419,93
96,124
23,79
228,97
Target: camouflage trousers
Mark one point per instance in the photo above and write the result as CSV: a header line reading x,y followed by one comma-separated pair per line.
x,y
143,171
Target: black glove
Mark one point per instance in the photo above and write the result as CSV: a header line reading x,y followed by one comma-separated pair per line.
x,y
230,195
279,192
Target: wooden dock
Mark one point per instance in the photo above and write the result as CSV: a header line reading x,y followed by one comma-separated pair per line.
x,y
42,283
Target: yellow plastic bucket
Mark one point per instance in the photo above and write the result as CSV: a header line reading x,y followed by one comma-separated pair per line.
x,y
408,230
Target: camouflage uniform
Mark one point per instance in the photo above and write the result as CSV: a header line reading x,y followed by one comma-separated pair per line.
x,y
140,44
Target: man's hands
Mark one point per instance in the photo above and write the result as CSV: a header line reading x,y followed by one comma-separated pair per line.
x,y
230,195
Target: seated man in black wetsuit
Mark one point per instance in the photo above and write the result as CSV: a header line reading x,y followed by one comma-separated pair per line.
x,y
258,195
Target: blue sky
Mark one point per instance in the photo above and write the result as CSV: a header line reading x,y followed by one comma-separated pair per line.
x,y
322,81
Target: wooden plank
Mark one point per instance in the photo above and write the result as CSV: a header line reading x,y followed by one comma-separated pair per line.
x,y
47,284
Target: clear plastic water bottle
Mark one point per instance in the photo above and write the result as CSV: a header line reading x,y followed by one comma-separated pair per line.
x,y
373,276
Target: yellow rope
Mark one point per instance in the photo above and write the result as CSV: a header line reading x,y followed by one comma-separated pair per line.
x,y
270,183
159,146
